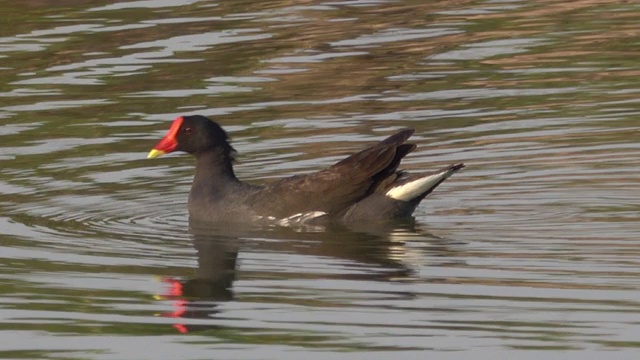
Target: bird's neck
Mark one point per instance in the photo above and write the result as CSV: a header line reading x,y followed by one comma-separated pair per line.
x,y
214,172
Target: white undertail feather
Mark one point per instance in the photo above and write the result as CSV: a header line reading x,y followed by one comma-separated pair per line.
x,y
415,188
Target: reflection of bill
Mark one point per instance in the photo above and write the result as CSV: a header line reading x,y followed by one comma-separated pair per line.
x,y
175,291
192,299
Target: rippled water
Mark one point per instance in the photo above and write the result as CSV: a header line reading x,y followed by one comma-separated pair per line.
x,y
533,247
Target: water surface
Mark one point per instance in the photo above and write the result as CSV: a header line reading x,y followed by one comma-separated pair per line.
x,y
531,250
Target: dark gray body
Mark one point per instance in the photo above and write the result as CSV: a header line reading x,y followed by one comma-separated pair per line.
x,y
353,190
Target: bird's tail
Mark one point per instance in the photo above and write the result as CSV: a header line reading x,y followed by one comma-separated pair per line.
x,y
418,186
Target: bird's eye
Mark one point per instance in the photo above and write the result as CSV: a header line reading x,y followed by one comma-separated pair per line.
x,y
187,130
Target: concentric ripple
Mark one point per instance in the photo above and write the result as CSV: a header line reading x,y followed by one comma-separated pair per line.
x,y
107,226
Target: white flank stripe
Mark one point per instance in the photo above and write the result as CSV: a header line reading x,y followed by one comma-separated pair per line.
x,y
300,218
416,187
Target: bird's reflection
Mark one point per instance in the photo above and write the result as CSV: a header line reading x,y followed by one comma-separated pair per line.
x,y
379,245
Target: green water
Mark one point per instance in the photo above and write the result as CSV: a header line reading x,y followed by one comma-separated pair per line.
x,y
531,250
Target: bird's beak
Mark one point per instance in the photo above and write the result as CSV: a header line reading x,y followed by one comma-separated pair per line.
x,y
168,142
154,153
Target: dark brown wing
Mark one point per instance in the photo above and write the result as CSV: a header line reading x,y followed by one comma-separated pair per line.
x,y
337,187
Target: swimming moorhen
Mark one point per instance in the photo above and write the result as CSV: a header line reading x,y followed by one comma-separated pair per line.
x,y
366,186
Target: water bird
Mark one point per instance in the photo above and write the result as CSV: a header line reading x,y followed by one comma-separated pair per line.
x,y
363,187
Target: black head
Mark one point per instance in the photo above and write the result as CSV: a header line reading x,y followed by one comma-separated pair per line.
x,y
194,134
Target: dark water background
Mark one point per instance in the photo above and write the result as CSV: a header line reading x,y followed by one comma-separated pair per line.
x,y
532,251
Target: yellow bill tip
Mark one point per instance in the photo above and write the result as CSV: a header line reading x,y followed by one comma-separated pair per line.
x,y
155,153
